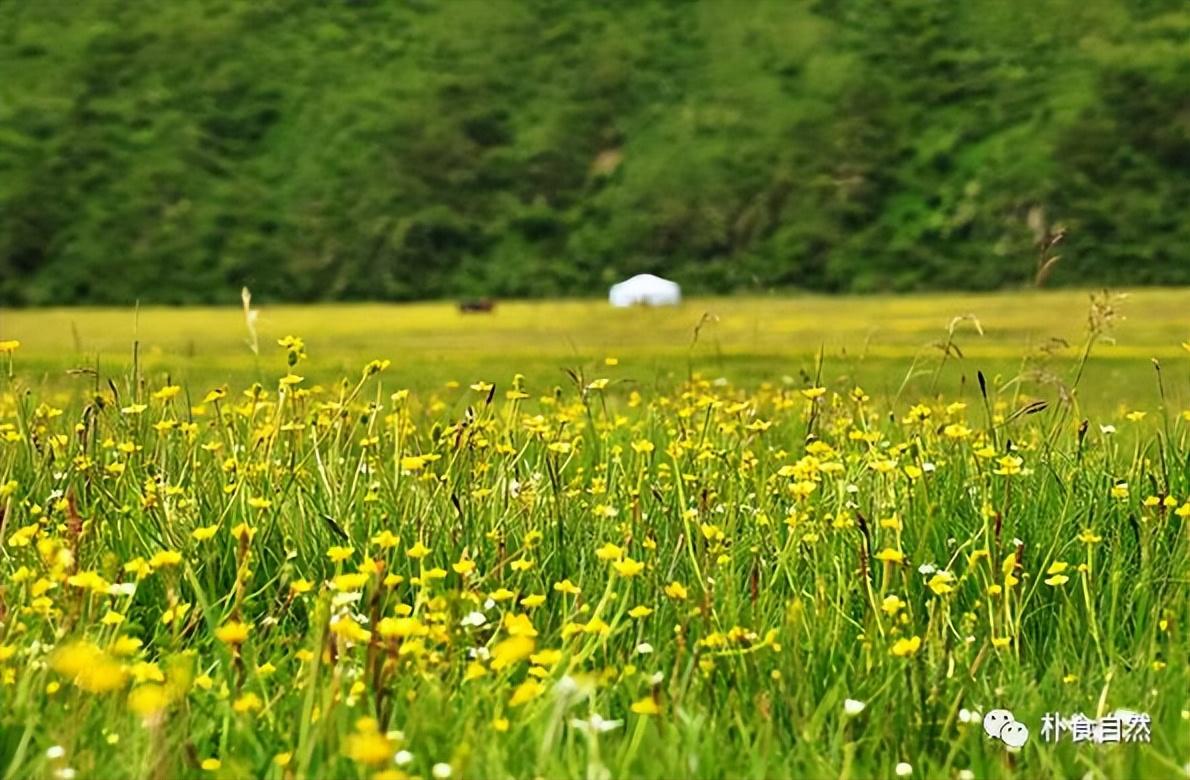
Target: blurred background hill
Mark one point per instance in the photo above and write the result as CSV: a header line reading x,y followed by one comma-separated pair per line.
x,y
172,152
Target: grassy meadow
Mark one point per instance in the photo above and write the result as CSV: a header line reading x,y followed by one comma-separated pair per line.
x,y
1032,337
789,537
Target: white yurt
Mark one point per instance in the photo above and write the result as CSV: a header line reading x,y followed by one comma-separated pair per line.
x,y
645,290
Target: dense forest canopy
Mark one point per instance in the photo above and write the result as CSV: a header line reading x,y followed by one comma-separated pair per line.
x,y
173,152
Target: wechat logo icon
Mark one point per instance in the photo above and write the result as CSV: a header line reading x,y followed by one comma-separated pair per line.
x,y
1002,725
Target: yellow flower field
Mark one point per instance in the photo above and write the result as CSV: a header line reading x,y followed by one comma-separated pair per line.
x,y
658,563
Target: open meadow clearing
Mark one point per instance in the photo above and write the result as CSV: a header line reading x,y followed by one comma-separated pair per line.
x,y
874,340
780,537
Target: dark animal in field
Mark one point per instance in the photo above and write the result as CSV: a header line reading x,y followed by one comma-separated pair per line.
x,y
472,305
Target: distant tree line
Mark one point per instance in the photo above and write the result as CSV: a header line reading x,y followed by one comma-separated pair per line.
x,y
174,152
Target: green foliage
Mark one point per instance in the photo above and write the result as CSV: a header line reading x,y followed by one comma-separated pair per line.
x,y
296,580
364,150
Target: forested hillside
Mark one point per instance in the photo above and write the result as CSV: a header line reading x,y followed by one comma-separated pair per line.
x,y
174,151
